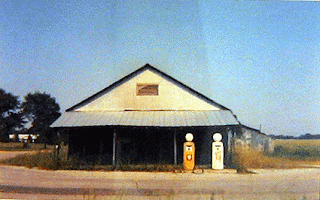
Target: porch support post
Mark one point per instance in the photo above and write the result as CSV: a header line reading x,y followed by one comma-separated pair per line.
x,y
100,150
229,132
114,148
230,146
175,147
70,143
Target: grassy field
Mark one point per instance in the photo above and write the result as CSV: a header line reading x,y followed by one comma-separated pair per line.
x,y
297,149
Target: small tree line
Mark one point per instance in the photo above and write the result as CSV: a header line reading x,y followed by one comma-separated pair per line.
x,y
306,136
33,115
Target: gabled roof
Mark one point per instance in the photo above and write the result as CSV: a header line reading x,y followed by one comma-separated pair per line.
x,y
136,73
252,129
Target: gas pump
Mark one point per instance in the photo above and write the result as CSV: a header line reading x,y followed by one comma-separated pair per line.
x,y
217,152
188,153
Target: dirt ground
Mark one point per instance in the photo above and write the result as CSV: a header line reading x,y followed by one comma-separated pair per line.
x,y
23,183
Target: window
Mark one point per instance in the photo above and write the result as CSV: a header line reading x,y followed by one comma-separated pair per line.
x,y
147,90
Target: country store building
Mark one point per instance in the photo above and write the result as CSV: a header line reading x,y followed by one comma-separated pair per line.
x,y
144,117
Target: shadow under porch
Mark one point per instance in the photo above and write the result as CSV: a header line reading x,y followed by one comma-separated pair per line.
x,y
116,145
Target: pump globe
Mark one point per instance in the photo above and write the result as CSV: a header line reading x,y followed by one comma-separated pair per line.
x,y
217,137
189,137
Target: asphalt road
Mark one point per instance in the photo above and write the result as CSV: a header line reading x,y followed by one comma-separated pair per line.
x,y
266,184
23,183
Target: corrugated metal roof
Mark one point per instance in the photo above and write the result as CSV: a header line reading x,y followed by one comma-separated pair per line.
x,y
147,118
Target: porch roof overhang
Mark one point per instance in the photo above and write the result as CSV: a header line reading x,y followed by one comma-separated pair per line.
x,y
147,118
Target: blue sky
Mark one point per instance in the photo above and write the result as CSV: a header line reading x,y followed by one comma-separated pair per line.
x,y
260,59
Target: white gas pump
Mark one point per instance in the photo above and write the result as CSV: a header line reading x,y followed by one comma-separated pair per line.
x,y
217,152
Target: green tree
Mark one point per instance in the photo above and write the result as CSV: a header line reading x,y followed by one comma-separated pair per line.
x,y
42,110
11,117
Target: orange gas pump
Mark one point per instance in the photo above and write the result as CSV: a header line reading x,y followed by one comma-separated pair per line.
x,y
189,153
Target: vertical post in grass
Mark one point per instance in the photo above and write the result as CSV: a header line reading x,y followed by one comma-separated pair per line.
x,y
56,156
114,148
175,147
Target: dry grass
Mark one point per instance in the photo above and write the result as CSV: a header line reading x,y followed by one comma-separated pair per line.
x,y
42,160
248,158
50,160
40,157
287,154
